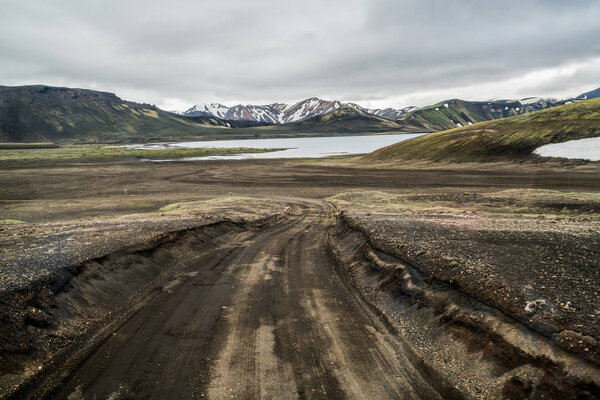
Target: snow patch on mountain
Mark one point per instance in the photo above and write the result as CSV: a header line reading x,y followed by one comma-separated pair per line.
x,y
281,113
538,100
210,109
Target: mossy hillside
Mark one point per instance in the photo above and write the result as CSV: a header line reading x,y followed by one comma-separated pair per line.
x,y
514,137
60,115
449,114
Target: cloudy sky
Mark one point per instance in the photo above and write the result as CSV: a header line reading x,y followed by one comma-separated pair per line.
x,y
373,52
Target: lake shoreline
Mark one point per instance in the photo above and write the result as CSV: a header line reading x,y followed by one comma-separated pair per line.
x,y
313,147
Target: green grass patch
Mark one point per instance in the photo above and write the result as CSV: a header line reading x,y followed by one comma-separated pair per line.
x,y
11,222
102,153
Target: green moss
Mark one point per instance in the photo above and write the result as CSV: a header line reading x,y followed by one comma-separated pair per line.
x,y
11,222
513,137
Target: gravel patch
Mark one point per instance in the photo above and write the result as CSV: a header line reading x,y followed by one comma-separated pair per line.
x,y
32,251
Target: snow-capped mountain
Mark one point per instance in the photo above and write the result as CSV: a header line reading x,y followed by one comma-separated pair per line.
x,y
389,113
280,113
531,104
308,108
453,113
207,110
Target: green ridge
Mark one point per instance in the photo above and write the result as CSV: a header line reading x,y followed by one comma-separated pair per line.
x,y
512,137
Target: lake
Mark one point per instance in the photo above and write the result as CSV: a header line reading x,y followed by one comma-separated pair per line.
x,y
311,147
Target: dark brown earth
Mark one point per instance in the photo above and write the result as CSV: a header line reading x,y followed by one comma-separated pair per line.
x,y
306,303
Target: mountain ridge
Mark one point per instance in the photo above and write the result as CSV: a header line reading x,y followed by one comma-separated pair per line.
x,y
345,120
455,113
39,113
275,113
282,113
44,113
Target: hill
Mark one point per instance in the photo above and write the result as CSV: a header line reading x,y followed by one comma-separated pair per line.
x,y
454,113
512,137
589,95
346,119
43,113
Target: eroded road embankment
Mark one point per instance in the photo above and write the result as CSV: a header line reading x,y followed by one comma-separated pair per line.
x,y
265,315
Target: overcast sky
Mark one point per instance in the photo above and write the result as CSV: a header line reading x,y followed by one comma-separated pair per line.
x,y
373,52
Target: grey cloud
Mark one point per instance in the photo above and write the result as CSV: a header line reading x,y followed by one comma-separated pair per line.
x,y
269,50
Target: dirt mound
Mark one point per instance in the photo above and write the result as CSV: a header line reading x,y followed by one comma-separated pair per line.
x,y
75,307
456,337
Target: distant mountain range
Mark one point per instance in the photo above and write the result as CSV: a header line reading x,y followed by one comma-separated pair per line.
x,y
277,113
455,113
280,113
444,115
42,113
345,120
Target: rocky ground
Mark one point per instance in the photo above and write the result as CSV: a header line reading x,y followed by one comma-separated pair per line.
x,y
518,242
33,250
516,250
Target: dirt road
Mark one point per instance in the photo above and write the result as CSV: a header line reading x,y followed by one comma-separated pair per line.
x,y
266,313
265,316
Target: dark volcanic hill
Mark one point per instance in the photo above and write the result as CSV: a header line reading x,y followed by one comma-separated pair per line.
x,y
44,113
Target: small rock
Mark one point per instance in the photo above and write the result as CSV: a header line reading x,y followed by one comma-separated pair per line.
x,y
534,306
